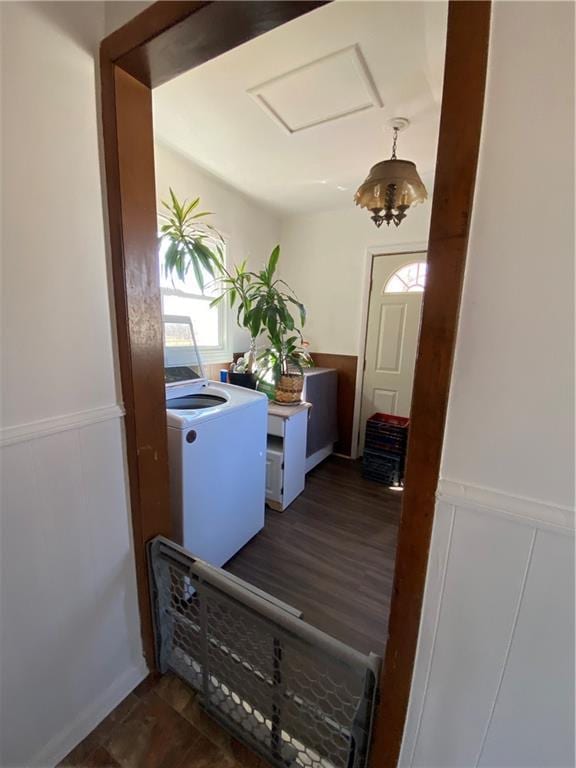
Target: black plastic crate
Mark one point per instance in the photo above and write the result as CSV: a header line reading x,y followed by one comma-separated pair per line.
x,y
385,445
386,424
387,468
384,442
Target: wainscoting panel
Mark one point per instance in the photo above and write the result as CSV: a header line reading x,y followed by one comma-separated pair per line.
x,y
69,621
539,674
494,678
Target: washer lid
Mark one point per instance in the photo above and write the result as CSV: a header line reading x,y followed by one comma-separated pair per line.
x,y
194,402
182,359
182,374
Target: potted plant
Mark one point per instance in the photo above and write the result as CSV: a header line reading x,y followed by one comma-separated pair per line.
x,y
272,303
261,299
284,360
193,243
263,302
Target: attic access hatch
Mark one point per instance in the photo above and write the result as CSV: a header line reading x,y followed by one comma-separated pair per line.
x,y
305,97
295,695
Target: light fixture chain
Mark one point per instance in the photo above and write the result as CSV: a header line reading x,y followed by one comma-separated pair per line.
x,y
394,142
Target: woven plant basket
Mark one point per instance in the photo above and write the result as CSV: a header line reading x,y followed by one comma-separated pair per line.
x,y
289,388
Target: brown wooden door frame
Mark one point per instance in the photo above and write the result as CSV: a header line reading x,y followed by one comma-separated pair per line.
x,y
168,39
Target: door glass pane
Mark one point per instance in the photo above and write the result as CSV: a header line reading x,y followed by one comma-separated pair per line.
x,y
408,279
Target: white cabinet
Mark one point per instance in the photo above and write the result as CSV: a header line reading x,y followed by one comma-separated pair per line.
x,y
286,454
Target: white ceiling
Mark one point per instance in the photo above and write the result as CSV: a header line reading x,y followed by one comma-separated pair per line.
x,y
296,117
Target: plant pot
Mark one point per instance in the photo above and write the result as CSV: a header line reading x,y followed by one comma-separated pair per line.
x,y
289,388
247,380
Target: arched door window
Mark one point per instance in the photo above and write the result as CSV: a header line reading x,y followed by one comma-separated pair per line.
x,y
410,278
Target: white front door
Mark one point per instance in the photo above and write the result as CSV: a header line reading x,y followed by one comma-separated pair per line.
x,y
392,335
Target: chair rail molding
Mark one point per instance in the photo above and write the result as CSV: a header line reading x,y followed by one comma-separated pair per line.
x,y
533,512
43,427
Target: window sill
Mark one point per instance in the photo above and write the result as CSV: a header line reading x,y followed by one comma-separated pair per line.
x,y
212,355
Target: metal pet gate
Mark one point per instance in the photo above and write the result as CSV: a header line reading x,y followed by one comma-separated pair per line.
x,y
294,694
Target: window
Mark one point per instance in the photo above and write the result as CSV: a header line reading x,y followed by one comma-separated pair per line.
x,y
408,279
183,298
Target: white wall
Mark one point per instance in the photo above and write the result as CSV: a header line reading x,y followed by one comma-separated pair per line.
x,y
514,371
494,679
55,305
250,229
69,627
324,259
118,12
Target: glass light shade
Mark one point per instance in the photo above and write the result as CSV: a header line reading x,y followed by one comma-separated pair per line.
x,y
392,186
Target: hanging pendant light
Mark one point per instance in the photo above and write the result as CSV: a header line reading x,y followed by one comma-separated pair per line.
x,y
392,186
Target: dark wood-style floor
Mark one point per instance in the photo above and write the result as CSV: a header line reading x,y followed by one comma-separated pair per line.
x,y
160,725
331,554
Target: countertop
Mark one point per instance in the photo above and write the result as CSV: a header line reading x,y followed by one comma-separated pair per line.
x,y
285,411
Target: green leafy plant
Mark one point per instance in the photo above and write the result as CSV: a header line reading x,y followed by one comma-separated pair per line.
x,y
235,285
263,302
192,243
272,302
273,305
283,357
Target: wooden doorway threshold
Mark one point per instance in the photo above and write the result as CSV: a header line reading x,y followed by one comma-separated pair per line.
x,y
165,40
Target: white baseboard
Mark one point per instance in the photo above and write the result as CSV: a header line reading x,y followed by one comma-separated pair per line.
x,y
316,458
61,744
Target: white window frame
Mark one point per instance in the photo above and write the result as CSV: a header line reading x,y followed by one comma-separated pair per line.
x,y
209,354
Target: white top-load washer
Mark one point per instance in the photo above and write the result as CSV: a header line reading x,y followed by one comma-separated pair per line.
x,y
217,451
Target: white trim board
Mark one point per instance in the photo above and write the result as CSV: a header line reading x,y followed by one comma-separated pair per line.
x,y
44,427
533,512
321,454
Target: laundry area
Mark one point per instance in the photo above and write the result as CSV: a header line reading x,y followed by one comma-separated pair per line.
x,y
290,279
291,297
280,510
271,489
273,604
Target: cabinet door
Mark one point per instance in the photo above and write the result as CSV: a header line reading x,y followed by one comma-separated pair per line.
x,y
294,455
274,473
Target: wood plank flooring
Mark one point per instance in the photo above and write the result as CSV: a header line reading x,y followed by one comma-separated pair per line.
x,y
331,554
160,725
